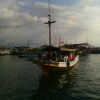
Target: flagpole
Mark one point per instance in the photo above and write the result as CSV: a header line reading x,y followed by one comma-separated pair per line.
x,y
59,41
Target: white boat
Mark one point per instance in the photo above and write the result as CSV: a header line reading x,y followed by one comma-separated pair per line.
x,y
5,52
61,59
56,58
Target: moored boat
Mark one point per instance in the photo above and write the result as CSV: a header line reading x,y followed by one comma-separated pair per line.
x,y
57,59
53,58
5,52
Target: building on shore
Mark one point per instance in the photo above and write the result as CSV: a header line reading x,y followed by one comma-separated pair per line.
x,y
84,48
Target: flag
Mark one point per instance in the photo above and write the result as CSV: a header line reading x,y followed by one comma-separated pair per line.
x,y
61,43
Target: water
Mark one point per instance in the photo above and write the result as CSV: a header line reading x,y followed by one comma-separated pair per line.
x,y
23,80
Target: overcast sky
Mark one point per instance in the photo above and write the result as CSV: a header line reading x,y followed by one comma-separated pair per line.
x,y
76,21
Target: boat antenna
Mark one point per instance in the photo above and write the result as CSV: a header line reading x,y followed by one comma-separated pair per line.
x,y
87,39
28,45
49,6
49,23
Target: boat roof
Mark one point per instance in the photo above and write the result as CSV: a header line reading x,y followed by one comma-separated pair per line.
x,y
50,48
68,50
58,49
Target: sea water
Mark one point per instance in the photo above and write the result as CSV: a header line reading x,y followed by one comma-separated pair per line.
x,y
23,80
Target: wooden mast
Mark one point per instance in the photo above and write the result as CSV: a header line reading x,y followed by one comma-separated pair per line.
x,y
49,24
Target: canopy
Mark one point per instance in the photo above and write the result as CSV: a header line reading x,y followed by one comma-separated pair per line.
x,y
68,50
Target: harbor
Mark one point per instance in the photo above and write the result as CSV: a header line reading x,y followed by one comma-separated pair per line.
x,y
49,50
20,79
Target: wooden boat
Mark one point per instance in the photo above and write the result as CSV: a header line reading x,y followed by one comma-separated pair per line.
x,y
56,58
60,59
58,66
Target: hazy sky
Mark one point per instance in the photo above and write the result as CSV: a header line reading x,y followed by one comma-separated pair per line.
x,y
23,20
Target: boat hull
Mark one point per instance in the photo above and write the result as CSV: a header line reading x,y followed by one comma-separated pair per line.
x,y
53,67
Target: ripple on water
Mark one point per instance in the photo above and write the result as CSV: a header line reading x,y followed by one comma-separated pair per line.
x,y
20,80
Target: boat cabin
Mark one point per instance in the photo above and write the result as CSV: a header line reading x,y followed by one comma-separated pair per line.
x,y
50,53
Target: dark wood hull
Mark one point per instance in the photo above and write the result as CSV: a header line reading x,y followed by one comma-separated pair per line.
x,y
51,68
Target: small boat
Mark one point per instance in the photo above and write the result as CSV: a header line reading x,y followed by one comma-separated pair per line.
x,y
57,59
53,58
5,52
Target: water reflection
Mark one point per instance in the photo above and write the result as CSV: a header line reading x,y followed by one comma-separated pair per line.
x,y
22,80
55,86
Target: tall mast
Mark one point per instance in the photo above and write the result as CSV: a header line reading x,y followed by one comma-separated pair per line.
x,y
28,45
49,23
49,6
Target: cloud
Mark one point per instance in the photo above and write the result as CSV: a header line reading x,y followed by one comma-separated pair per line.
x,y
18,23
75,22
16,26
22,3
